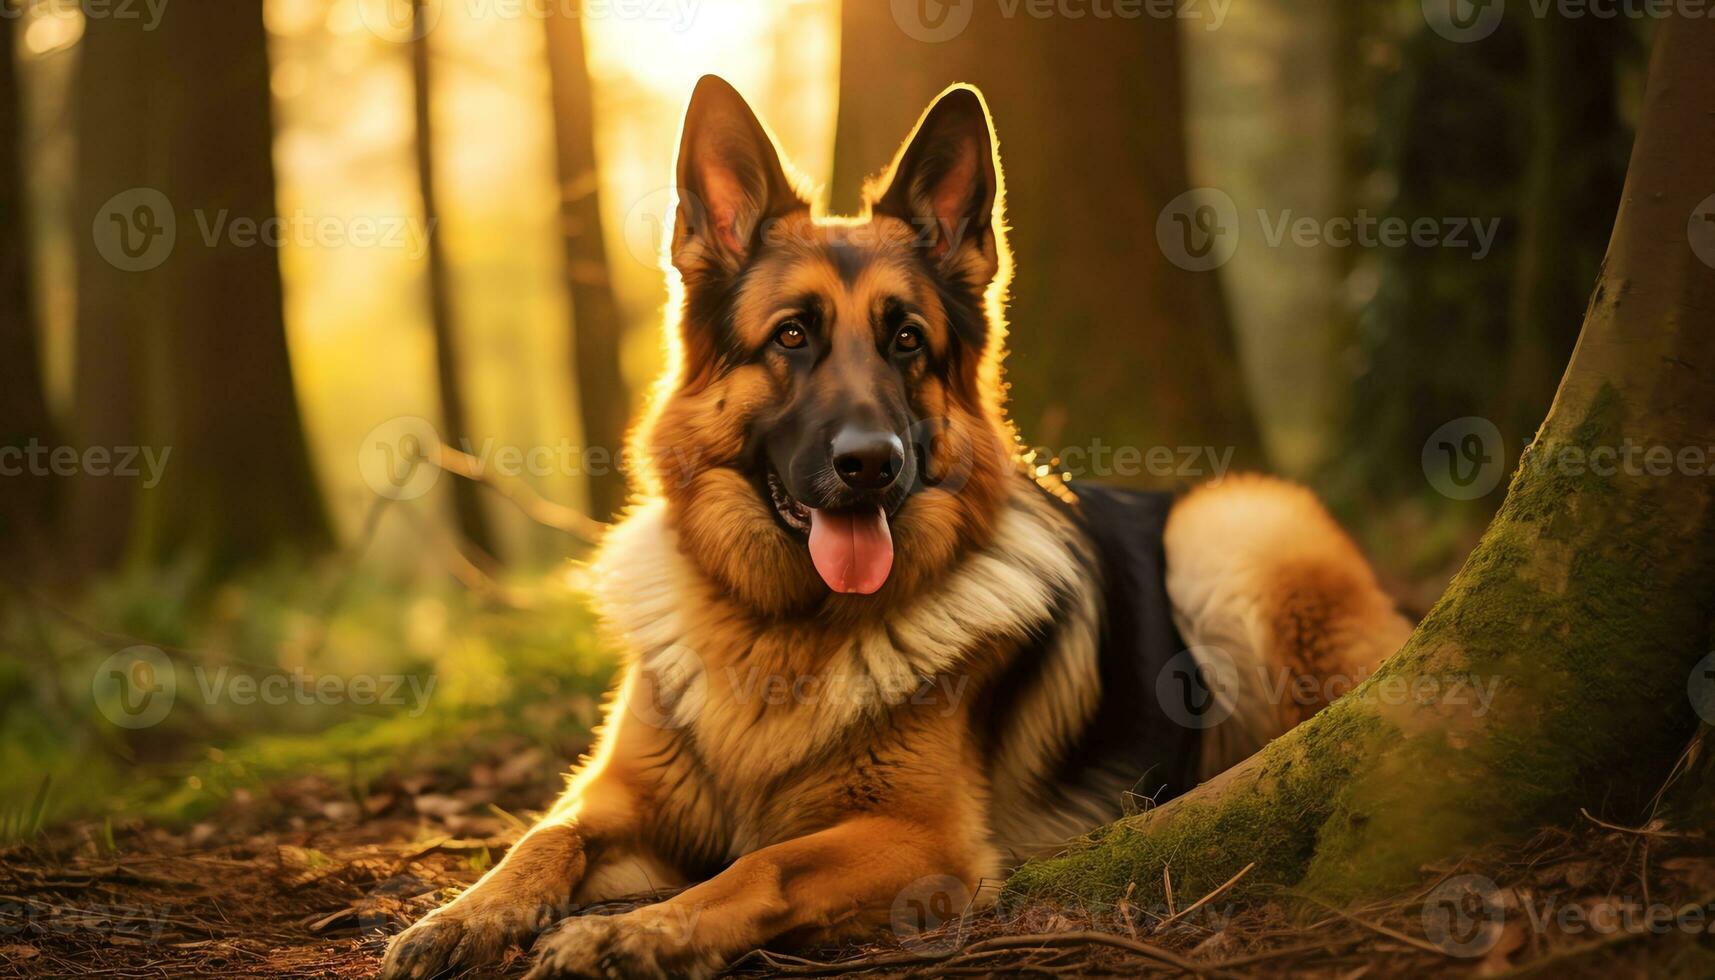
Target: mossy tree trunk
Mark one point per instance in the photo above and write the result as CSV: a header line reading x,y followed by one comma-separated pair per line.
x,y
1586,604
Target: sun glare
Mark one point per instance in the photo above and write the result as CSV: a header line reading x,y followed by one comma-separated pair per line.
x,y
782,54
342,87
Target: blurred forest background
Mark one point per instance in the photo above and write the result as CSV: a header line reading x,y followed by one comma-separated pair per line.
x,y
475,193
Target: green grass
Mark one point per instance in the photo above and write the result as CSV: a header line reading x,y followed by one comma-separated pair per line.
x,y
467,671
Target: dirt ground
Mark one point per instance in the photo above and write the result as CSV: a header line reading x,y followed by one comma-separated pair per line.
x,y
312,885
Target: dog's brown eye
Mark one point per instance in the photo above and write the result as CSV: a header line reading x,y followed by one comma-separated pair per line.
x,y
908,339
791,335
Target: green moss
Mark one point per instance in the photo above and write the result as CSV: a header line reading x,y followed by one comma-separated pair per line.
x,y
459,674
1276,812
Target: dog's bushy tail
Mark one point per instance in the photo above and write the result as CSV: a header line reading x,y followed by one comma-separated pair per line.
x,y
1278,606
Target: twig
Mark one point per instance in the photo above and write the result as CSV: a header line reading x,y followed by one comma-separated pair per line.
x,y
1095,938
1206,899
1271,954
530,503
1572,951
1647,831
1125,909
1406,938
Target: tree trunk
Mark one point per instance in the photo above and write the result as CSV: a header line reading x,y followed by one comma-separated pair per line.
x,y
455,420
596,322
113,125
25,497
200,325
1109,340
1588,600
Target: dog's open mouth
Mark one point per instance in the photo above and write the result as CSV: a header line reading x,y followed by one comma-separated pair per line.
x,y
851,549
795,514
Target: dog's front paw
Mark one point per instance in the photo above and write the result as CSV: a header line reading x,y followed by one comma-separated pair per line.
x,y
455,938
649,943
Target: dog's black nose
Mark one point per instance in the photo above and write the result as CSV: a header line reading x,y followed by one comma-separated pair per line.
x,y
868,459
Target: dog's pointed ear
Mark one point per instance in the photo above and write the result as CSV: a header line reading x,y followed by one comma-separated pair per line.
x,y
731,181
944,183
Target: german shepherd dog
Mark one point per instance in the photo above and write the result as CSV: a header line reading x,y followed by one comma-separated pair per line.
x,y
867,648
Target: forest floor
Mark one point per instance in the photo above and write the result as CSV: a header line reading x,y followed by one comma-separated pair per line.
x,y
315,887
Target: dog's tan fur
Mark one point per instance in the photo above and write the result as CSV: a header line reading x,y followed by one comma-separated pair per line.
x,y
801,759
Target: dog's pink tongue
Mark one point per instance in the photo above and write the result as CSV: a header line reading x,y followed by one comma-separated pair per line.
x,y
853,552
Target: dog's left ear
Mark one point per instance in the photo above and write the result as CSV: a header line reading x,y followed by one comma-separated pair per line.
x,y
944,184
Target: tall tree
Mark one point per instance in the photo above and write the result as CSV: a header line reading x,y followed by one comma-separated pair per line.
x,y
25,497
182,344
455,421
596,322
114,124
1587,604
1110,340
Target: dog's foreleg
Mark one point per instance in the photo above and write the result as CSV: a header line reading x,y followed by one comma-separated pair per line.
x,y
843,881
530,888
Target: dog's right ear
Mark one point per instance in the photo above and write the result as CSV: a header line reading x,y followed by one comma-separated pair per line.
x,y
731,181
